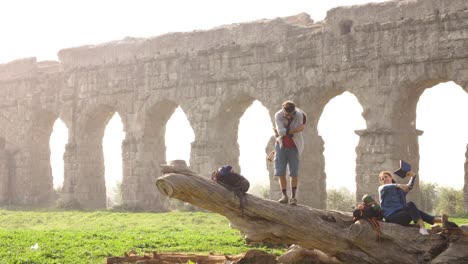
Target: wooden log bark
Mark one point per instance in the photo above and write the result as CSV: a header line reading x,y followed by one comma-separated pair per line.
x,y
332,232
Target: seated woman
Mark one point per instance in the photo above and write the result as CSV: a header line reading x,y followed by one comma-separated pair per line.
x,y
395,208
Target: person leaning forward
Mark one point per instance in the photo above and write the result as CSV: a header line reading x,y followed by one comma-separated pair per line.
x,y
289,124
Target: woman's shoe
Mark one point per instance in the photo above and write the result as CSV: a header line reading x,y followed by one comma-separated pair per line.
x,y
423,231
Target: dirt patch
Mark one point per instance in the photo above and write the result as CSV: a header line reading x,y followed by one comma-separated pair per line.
x,y
252,256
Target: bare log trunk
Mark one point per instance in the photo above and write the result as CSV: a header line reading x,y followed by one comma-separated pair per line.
x,y
332,232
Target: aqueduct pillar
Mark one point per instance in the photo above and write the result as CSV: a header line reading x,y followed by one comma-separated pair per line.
x,y
4,173
465,187
381,149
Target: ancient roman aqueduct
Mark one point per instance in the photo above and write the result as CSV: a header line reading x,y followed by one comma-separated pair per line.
x,y
385,54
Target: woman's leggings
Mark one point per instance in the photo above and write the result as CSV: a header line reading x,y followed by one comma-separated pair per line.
x,y
408,213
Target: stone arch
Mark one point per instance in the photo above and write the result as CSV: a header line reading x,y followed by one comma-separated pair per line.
x,y
178,136
41,174
152,121
87,183
112,140
144,150
226,128
405,125
392,135
57,140
157,116
384,62
153,125
336,89
30,177
336,139
254,132
443,131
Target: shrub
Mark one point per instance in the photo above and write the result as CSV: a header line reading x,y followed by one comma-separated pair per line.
x,y
262,190
450,201
181,206
340,199
429,196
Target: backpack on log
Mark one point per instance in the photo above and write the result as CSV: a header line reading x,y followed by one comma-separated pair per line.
x,y
232,181
370,211
369,208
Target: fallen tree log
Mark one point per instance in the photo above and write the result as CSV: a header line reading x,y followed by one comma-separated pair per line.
x,y
166,258
332,232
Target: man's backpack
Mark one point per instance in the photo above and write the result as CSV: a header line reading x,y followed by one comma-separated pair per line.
x,y
232,181
365,211
370,211
369,208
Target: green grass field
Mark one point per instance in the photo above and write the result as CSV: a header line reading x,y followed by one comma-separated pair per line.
x,y
90,237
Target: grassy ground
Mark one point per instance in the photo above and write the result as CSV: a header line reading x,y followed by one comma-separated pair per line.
x,y
90,237
460,220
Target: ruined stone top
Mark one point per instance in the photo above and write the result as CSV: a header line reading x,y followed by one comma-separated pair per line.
x,y
27,67
394,11
129,49
256,32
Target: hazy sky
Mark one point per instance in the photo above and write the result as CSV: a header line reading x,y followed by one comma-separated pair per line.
x,y
41,28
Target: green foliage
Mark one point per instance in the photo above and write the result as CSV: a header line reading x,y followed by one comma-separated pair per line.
x,y
439,200
117,199
340,199
126,208
262,190
450,201
90,237
460,220
176,205
428,196
70,205
57,193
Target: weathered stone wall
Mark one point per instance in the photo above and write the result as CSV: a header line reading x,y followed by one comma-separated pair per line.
x,y
4,173
386,54
465,187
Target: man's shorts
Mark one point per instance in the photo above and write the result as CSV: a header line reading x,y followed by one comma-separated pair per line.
x,y
284,157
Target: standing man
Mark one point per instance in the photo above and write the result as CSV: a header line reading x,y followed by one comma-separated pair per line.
x,y
289,123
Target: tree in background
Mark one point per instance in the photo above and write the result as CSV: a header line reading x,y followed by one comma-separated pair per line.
x,y
429,196
117,199
450,201
57,193
340,199
262,190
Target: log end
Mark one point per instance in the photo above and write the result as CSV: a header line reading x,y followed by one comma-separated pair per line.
x,y
164,187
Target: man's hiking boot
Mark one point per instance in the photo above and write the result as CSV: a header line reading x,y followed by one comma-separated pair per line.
x,y
284,199
293,201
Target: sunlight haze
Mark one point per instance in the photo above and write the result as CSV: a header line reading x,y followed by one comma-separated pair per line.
x,y
41,28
